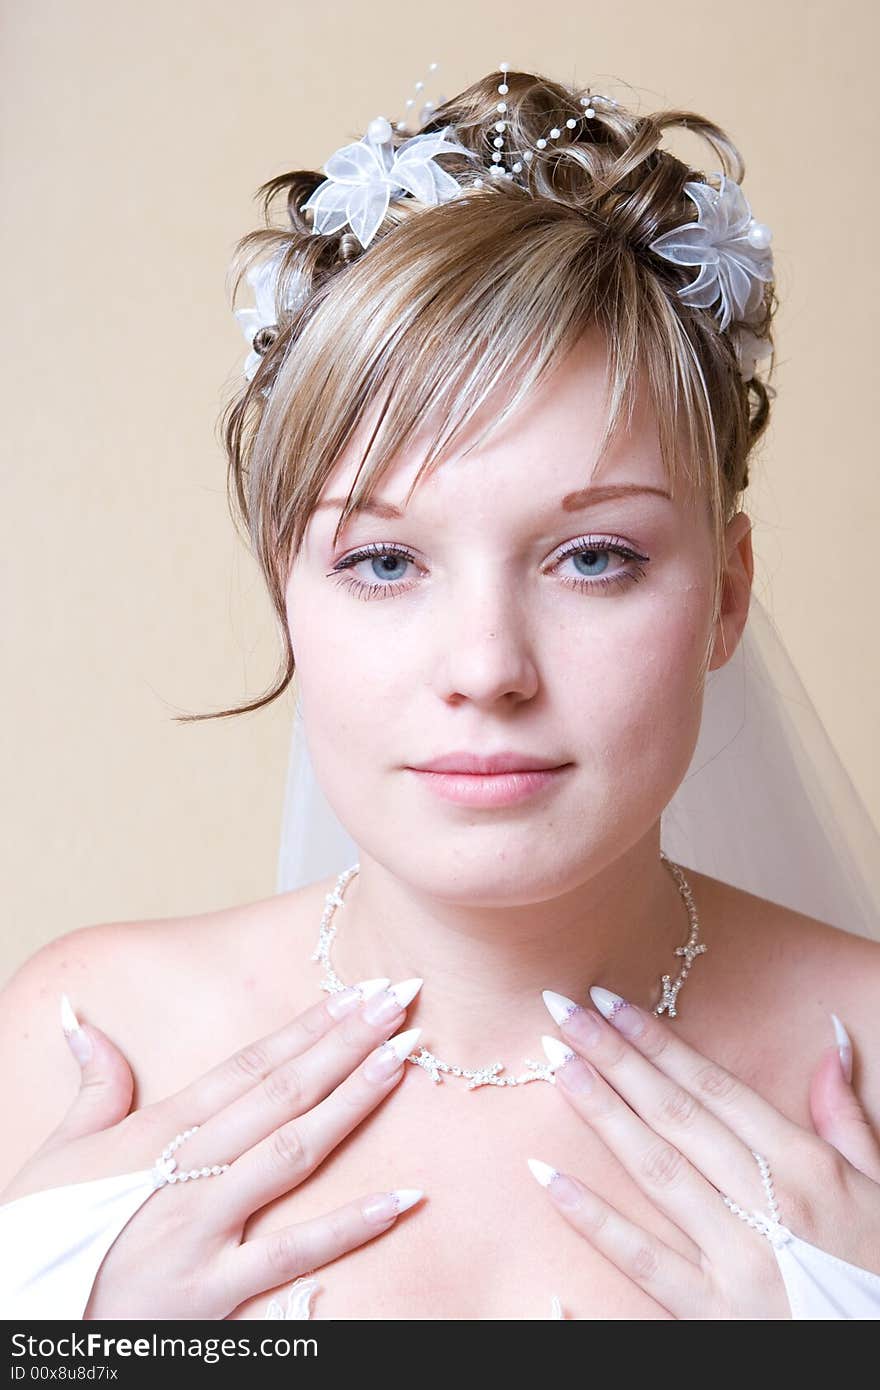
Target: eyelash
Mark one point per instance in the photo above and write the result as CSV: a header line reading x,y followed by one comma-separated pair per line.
x,y
583,545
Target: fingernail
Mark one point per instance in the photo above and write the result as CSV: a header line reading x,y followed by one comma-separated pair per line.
x,y
844,1049
389,1002
80,1043
580,1023
577,1076
342,1003
556,1052
386,1205
564,1190
559,1006
386,1059
625,1016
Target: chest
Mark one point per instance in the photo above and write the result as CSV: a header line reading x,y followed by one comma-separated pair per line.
x,y
485,1241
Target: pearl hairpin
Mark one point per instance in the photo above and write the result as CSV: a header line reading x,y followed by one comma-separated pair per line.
x,y
427,109
501,125
520,157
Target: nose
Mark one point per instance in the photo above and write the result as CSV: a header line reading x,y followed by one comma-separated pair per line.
x,y
486,653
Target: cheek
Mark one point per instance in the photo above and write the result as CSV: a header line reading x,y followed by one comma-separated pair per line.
x,y
635,703
351,701
346,684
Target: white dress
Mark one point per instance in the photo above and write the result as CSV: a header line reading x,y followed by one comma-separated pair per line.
x,y
52,1244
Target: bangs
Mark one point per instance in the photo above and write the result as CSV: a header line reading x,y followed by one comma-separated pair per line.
x,y
488,291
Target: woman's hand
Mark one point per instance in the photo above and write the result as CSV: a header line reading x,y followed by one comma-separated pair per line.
x,y
687,1132
272,1111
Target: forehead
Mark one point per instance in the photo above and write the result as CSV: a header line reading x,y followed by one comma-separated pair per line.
x,y
550,442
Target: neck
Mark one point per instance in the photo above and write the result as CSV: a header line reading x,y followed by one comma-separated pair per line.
x,y
484,964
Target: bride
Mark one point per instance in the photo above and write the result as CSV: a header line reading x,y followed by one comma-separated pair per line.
x,y
502,600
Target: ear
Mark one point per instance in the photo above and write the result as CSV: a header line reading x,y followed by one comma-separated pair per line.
x,y
736,589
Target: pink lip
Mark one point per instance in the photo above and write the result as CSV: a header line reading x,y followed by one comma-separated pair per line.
x,y
500,788
505,761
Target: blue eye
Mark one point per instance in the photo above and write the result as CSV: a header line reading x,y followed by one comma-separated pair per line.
x,y
591,553
378,556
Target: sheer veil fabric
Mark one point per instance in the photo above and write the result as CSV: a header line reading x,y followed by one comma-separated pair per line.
x,y
766,803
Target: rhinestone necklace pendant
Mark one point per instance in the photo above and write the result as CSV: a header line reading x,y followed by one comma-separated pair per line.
x,y
482,1076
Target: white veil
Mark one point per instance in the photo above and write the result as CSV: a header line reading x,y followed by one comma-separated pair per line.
x,y
766,804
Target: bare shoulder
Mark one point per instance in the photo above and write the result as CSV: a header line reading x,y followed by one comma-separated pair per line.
x,y
783,944
38,1075
784,973
174,994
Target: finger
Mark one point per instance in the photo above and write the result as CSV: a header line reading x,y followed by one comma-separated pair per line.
x,y
837,1112
676,1283
283,1159
223,1084
658,1166
267,1261
106,1083
301,1082
666,1106
752,1119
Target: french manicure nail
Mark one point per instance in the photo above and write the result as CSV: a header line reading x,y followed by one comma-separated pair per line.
x,y
581,1023
80,1043
385,1061
342,1003
578,1076
844,1048
564,1190
389,1002
556,1052
386,1205
559,1006
625,1016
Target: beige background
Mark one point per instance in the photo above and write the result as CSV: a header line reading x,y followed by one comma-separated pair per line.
x,y
134,138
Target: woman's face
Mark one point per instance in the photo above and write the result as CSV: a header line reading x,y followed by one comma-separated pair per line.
x,y
514,606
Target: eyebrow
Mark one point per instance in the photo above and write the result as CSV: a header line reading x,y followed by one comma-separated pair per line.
x,y
571,502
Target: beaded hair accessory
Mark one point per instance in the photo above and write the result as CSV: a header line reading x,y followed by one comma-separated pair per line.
x,y
730,247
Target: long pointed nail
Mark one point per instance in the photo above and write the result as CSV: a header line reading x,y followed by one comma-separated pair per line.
x,y
844,1049
559,1006
387,1005
78,1039
341,1003
564,1190
619,1011
543,1172
386,1205
385,1061
556,1052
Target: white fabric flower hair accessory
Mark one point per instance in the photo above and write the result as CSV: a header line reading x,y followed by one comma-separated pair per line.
x,y
750,350
726,242
263,280
363,177
730,247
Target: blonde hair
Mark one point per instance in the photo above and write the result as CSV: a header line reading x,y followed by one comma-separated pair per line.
x,y
491,287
